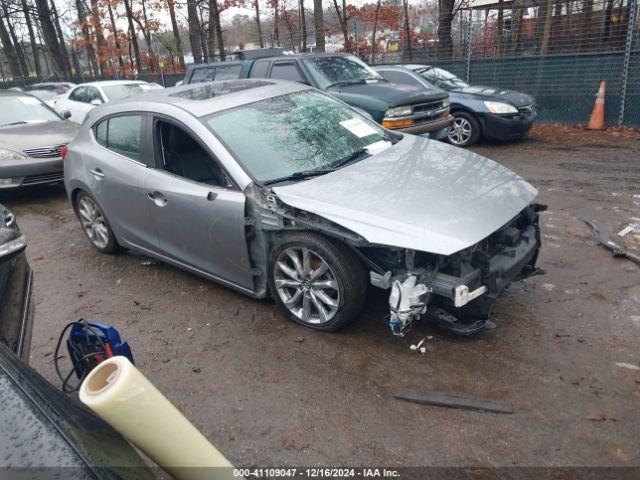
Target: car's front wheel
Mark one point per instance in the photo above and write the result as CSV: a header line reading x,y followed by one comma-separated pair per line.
x,y
317,282
95,224
465,130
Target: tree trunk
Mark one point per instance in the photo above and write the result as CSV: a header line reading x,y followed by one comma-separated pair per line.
x,y
216,18
176,31
445,17
256,6
407,33
546,30
133,35
373,34
516,25
103,49
194,31
303,21
9,50
50,37
500,27
32,38
115,34
62,45
203,38
318,24
586,26
342,18
82,20
143,25
276,24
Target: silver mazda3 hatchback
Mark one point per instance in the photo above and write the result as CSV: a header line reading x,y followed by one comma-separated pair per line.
x,y
272,187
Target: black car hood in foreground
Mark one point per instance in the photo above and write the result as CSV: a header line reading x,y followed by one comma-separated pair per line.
x,y
41,134
517,99
395,95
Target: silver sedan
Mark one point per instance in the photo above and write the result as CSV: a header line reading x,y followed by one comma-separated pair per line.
x,y
32,136
273,187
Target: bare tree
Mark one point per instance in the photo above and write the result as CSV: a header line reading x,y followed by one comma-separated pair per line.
x,y
176,32
133,36
26,10
344,22
375,29
194,31
318,23
9,50
256,6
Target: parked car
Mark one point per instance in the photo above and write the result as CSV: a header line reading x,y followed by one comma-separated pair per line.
x,y
479,112
16,280
81,99
397,107
47,96
32,136
272,186
58,87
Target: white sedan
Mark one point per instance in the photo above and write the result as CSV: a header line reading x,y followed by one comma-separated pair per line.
x,y
80,100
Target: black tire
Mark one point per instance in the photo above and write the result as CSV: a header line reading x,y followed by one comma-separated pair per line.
x,y
457,138
343,265
110,245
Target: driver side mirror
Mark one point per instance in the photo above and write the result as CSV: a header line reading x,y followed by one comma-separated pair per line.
x,y
96,102
12,243
65,114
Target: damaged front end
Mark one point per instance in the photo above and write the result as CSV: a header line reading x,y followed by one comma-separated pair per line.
x,y
457,291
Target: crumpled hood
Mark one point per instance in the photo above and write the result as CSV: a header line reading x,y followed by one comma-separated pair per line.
x,y
419,194
517,99
35,135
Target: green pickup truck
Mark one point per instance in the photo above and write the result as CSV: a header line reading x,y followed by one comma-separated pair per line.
x,y
405,108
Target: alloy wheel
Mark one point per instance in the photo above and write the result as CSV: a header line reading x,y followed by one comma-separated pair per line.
x,y
461,131
306,285
93,222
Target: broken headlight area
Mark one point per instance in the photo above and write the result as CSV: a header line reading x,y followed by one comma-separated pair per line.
x,y
457,291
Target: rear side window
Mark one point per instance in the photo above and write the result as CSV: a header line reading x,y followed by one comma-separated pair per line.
x,y
230,72
78,95
259,69
101,133
121,134
203,75
286,71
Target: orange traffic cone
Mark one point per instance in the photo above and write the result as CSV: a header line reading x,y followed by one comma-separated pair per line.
x,y
596,122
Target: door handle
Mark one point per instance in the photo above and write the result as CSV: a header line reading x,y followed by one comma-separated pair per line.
x,y
157,198
211,196
97,173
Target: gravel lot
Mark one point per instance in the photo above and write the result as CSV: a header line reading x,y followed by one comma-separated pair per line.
x,y
268,392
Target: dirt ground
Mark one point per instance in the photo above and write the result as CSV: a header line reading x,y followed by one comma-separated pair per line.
x,y
268,392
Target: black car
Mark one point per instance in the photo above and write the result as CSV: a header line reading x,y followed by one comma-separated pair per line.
x,y
479,112
398,107
41,429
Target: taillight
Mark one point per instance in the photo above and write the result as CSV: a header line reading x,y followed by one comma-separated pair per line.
x,y
63,151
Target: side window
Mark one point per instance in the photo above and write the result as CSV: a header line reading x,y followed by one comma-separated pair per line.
x,y
78,95
203,75
230,72
286,71
401,78
92,94
123,135
259,69
180,154
101,133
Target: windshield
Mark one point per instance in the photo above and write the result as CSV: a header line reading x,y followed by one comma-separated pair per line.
x,y
116,92
24,109
328,71
443,79
294,133
44,95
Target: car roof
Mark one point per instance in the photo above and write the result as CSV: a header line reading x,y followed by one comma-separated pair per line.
x,y
200,99
110,82
14,93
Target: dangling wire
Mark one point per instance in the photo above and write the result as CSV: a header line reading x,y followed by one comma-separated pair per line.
x,y
83,359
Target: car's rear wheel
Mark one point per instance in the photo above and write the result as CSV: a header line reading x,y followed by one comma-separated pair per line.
x,y
317,282
95,224
465,130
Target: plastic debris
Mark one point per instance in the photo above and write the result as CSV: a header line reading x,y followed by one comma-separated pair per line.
x,y
630,366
